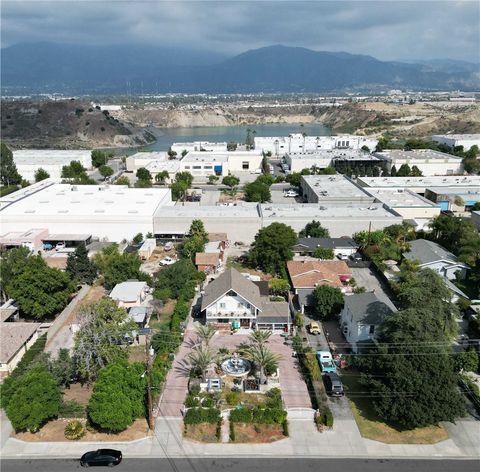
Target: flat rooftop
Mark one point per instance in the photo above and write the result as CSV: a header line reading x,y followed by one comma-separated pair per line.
x,y
149,156
158,166
400,198
433,181
205,156
314,211
89,200
242,210
348,154
333,186
457,136
49,156
416,154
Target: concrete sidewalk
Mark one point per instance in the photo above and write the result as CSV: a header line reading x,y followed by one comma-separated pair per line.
x,y
343,440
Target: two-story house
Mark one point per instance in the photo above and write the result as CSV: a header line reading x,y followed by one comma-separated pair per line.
x,y
233,301
361,316
431,255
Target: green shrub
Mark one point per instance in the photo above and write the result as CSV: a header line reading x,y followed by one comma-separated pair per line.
x,y
328,418
74,430
202,415
218,432
312,366
162,294
285,428
195,389
191,401
232,398
274,398
232,432
241,415
208,402
71,409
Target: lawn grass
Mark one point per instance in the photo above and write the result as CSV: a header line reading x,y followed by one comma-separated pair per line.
x,y
372,427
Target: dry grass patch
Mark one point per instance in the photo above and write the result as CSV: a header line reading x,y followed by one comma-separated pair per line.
x,y
54,430
203,432
80,393
257,433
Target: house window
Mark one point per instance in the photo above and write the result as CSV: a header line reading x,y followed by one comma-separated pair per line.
x,y
208,167
187,167
371,329
223,305
245,165
197,167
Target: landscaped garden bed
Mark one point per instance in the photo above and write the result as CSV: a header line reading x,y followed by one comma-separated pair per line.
x,y
203,432
256,433
202,423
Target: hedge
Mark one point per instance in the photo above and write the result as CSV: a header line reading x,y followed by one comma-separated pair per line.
x,y
258,415
202,415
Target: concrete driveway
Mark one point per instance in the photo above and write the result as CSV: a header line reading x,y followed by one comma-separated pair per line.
x,y
365,277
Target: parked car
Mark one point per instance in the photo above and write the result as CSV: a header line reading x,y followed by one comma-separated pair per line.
x,y
356,257
167,261
333,385
168,246
285,167
326,362
106,457
290,193
342,257
314,327
60,246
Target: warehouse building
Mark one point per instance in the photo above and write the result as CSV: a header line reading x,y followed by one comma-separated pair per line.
x,y
198,146
143,159
453,198
110,213
429,162
455,140
28,161
332,189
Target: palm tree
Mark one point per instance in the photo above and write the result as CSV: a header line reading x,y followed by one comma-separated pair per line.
x,y
201,358
260,337
263,358
205,333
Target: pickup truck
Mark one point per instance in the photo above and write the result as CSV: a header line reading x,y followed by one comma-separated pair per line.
x,y
326,362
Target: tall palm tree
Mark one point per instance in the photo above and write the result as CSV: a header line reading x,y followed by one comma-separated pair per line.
x,y
260,337
201,358
205,333
263,358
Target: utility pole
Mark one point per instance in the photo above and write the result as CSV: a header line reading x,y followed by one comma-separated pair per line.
x,y
149,360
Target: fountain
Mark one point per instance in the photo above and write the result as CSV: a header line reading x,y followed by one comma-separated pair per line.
x,y
236,366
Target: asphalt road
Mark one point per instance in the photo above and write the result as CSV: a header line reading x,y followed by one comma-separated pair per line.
x,y
252,465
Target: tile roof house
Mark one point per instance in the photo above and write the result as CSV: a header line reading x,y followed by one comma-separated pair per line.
x,y
431,255
345,246
15,339
232,300
361,315
211,258
305,276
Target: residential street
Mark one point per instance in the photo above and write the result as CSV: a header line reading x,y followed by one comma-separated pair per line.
x,y
242,465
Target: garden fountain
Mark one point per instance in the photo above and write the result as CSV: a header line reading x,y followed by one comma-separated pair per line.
x,y
236,366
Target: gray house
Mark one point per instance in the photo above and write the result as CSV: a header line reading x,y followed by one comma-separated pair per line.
x,y
431,255
345,245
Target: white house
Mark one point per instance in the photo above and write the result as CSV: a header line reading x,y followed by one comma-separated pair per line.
x,y
130,293
233,301
431,255
361,316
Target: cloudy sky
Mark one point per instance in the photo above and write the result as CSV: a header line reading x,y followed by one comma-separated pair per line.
x,y
389,30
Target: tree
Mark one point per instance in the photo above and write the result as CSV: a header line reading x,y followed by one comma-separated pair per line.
x,y
172,154
416,172
144,178
393,171
162,176
314,229
41,174
324,253
8,170
36,399
102,337
184,177
179,190
232,146
62,367
105,171
80,267
123,180
99,158
272,248
73,170
264,360
404,171
179,279
231,181
279,286
205,333
466,361
197,228
294,179
212,179
40,291
13,264
260,337
118,396
327,301
365,148
257,192
137,239
201,358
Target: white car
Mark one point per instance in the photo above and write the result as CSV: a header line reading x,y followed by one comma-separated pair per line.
x,y
60,246
342,257
167,261
290,193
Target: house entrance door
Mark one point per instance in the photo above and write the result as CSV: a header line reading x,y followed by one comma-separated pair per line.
x,y
244,323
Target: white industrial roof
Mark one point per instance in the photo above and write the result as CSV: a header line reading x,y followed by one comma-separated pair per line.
x,y
151,155
242,210
205,156
350,154
88,200
334,186
38,157
433,181
416,154
396,198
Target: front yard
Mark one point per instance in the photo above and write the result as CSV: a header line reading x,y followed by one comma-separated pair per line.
x,y
371,427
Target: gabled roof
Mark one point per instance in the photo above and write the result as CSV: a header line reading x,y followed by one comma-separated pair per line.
x,y
128,291
428,252
331,243
204,258
231,279
366,308
308,274
13,336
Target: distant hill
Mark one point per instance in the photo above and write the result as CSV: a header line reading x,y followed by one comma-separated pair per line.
x,y
47,67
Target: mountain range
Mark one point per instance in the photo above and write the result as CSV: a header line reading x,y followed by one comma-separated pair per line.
x,y
124,69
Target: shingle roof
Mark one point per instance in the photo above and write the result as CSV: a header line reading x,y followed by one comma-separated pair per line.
x,y
427,252
331,243
206,258
231,279
306,274
366,308
13,336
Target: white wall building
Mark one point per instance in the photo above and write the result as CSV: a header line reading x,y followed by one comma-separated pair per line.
x,y
112,213
143,159
453,140
428,161
198,146
28,161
